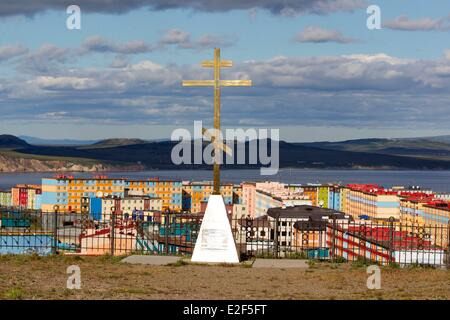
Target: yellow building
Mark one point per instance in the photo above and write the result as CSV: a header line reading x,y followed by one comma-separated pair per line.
x,y
372,201
427,217
197,192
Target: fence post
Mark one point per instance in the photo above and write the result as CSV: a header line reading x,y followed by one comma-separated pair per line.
x,y
166,232
55,229
276,237
112,236
391,239
333,239
448,245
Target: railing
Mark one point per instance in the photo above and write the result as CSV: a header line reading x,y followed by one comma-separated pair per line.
x,y
390,242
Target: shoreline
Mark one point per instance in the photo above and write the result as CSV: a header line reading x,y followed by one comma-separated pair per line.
x,y
233,169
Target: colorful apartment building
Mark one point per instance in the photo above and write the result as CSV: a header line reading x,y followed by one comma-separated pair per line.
x,y
197,192
377,202
335,198
323,193
372,201
424,214
26,196
311,192
265,201
5,199
237,194
249,196
260,196
68,192
130,207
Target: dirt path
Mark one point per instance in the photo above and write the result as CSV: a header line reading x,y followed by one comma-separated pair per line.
x,y
103,278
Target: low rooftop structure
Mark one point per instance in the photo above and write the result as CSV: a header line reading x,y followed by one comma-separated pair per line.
x,y
306,212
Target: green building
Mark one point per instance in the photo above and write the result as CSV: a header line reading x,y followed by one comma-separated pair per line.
x,y
5,199
323,196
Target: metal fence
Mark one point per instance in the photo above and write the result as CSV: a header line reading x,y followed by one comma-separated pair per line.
x,y
385,243
390,242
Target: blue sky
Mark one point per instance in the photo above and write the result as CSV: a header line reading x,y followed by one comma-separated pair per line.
x,y
319,73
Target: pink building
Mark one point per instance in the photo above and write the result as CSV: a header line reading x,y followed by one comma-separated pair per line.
x,y
248,197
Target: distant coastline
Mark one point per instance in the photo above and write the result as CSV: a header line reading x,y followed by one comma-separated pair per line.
x,y
133,155
437,180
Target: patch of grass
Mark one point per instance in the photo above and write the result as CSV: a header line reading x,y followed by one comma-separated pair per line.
x,y
361,263
131,291
73,259
297,255
266,255
109,258
334,265
312,263
419,266
67,292
15,293
179,263
339,260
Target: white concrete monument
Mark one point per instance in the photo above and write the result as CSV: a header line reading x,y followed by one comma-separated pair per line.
x,y
215,242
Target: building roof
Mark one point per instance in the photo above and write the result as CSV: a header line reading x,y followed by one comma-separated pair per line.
x,y
305,211
443,205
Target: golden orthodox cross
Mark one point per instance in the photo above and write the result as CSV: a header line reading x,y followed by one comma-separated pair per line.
x,y
217,64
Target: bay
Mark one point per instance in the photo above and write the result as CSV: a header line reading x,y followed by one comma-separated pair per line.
x,y
436,180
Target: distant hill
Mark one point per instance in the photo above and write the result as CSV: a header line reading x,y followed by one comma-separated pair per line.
x,y
11,142
110,143
445,139
141,154
415,147
56,142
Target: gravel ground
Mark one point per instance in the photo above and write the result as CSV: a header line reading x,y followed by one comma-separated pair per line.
x,y
35,277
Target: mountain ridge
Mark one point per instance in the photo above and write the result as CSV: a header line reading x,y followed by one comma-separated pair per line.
x,y
141,154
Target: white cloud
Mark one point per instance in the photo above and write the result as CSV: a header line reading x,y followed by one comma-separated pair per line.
x,y
320,35
12,51
99,44
422,24
357,90
183,40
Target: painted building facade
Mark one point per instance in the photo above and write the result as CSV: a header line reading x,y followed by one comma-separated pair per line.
x,y
427,216
68,192
372,201
197,192
5,199
26,196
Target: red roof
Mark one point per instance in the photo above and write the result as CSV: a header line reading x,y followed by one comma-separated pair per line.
x,y
379,190
439,204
